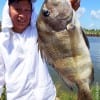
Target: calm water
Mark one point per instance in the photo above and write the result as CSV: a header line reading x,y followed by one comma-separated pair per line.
x,y
95,55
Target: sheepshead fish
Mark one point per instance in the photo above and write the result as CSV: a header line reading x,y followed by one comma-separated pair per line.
x,y
62,45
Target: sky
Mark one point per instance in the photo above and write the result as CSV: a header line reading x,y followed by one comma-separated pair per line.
x,y
88,13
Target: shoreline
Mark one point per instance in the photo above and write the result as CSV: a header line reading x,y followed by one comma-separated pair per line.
x,y
93,35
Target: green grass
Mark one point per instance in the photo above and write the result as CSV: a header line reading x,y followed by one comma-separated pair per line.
x,y
3,97
63,94
96,91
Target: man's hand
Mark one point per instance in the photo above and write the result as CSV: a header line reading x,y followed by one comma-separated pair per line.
x,y
75,4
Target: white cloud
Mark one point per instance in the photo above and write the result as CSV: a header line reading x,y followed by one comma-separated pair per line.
x,y
91,25
95,14
80,11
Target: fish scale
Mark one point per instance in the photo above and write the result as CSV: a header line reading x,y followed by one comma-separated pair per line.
x,y
62,45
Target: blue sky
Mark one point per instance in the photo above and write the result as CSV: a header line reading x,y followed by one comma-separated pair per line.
x,y
88,13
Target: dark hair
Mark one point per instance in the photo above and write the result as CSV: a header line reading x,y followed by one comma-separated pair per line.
x,y
12,1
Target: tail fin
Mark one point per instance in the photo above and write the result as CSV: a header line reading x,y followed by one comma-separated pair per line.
x,y
84,92
84,95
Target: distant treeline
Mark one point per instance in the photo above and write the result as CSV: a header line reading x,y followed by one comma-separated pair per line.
x,y
92,32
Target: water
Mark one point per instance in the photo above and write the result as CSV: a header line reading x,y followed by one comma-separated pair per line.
x,y
95,55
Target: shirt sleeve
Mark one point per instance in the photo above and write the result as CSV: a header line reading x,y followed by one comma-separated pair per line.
x,y
2,71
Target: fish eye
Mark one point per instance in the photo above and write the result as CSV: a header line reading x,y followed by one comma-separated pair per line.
x,y
46,13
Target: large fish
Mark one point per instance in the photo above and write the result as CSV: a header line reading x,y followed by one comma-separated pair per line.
x,y
62,45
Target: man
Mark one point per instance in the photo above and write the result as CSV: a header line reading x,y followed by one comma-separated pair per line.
x,y
22,69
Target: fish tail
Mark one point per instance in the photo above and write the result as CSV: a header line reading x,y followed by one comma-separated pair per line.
x,y
84,92
84,95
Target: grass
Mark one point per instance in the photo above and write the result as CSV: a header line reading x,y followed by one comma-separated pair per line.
x,y
68,95
96,91
3,96
63,93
